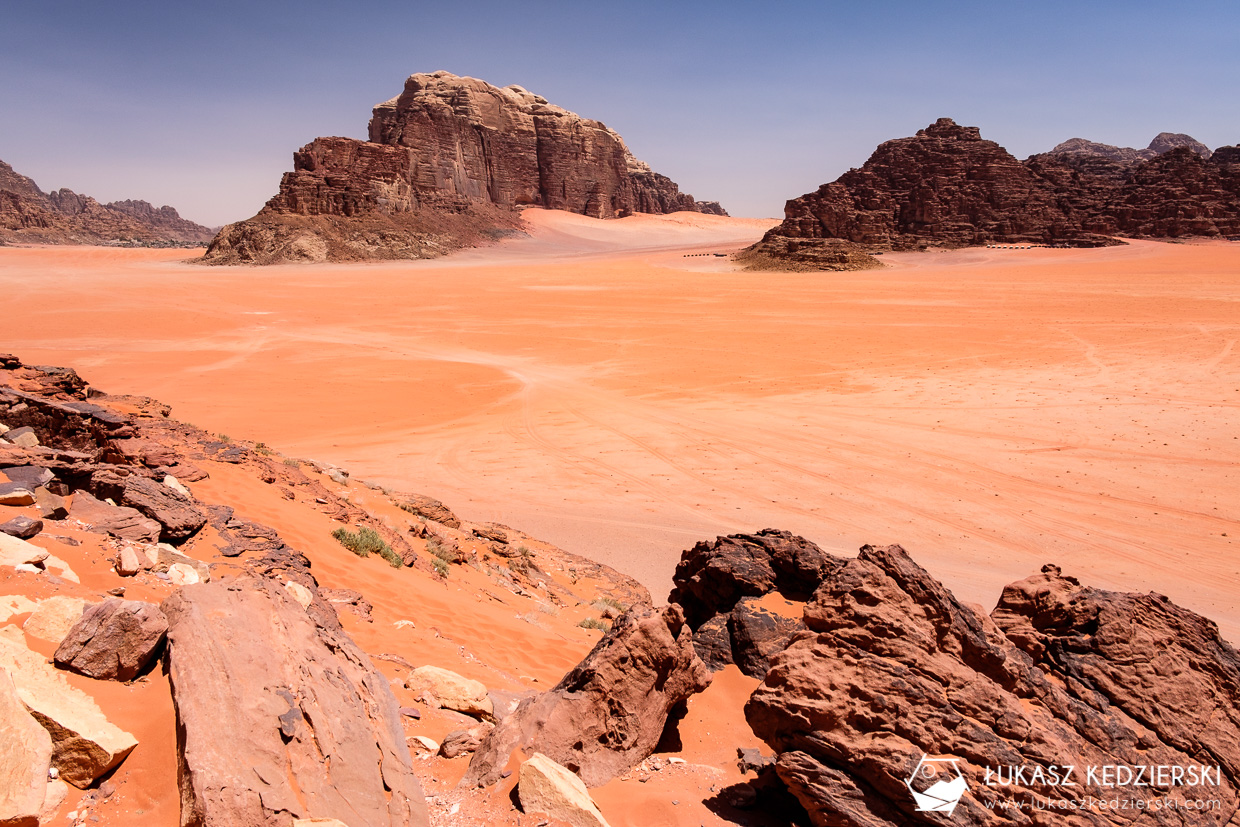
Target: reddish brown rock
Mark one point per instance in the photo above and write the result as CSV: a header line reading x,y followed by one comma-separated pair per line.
x,y
895,669
177,513
125,523
713,579
265,690
607,714
947,187
113,640
27,214
448,162
430,508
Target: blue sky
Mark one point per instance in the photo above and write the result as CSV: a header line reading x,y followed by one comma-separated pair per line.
x,y
201,105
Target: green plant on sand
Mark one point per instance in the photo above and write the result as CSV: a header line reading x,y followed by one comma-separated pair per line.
x,y
366,541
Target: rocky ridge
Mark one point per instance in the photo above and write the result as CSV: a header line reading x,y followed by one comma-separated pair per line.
x,y
948,187
448,163
29,215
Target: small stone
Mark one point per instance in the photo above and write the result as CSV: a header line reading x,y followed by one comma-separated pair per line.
x,y
182,574
119,591
127,563
21,527
23,437
410,712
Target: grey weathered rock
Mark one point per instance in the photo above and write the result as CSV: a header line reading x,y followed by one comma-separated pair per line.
x,y
113,640
119,521
21,527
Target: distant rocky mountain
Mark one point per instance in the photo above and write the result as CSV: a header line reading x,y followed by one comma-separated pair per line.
x,y
1163,142
948,187
27,214
449,163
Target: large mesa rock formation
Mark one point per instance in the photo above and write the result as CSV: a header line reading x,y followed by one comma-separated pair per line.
x,y
27,214
948,187
447,164
1063,695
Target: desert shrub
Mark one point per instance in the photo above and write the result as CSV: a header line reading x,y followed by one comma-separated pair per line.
x,y
523,562
224,437
365,542
593,623
445,553
441,567
292,463
609,602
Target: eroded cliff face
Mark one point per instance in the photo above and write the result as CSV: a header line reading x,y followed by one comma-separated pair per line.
x,y
948,187
27,214
448,163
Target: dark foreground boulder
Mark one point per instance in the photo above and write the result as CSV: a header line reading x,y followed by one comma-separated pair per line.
x,y
607,714
280,715
114,640
899,689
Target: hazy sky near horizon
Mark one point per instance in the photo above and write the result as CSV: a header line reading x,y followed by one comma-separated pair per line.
x,y
201,105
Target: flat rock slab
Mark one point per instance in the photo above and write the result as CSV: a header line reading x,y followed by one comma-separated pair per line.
x,y
15,551
54,617
85,744
119,521
263,689
113,640
25,757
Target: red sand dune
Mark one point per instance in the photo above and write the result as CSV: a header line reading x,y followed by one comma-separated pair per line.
x,y
990,410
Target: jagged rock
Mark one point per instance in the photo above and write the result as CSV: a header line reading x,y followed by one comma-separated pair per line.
x,y
54,618
896,670
119,521
27,214
758,635
16,552
547,787
21,527
448,163
178,514
85,744
609,712
712,579
451,690
25,759
309,691
29,476
113,640
429,508
1163,142
490,532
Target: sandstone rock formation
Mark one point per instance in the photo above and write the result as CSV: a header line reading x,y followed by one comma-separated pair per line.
x,y
895,670
85,744
714,581
309,693
947,187
546,787
452,691
25,759
608,713
447,163
27,214
113,640
54,617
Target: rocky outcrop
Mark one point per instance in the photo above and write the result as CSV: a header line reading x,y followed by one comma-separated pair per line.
x,y
27,214
447,163
113,640
609,713
309,692
948,187
178,515
1163,142
898,689
716,582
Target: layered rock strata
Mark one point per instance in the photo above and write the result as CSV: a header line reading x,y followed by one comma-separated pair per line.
x,y
948,187
447,164
27,214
